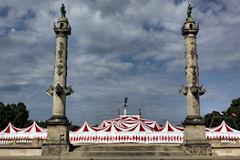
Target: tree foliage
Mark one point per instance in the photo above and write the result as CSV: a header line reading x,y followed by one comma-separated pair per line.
x,y
17,114
216,118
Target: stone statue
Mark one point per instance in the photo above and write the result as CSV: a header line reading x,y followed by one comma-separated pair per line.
x,y
63,11
189,11
126,98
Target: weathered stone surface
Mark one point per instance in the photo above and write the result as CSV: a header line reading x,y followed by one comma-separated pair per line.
x,y
198,149
55,149
58,125
195,142
194,134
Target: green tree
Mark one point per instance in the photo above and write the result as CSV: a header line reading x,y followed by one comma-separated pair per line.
x,y
235,109
74,127
231,120
216,121
15,113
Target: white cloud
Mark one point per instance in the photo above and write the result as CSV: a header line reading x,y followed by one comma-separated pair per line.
x,y
117,48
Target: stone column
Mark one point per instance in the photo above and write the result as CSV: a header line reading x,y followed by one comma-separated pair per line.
x,y
58,124
194,125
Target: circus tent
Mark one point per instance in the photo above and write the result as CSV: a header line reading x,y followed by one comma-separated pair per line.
x,y
10,129
33,131
24,135
171,134
223,132
85,134
123,129
127,129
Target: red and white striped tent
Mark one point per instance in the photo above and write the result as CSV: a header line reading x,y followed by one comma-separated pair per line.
x,y
32,132
10,129
223,132
128,121
153,125
171,134
127,129
84,134
10,132
124,129
110,134
22,135
140,127
169,128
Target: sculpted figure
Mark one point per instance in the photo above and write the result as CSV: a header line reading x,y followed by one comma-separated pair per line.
x,y
63,11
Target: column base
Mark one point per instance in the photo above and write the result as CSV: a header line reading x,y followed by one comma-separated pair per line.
x,y
50,148
195,141
198,149
58,136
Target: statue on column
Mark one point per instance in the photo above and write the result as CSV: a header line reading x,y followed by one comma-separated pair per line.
x,y
189,11
63,11
126,98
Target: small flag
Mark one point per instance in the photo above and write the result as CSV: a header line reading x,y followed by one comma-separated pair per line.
x,y
234,115
221,113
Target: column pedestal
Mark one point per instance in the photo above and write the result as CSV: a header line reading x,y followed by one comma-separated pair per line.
x,y
195,141
58,137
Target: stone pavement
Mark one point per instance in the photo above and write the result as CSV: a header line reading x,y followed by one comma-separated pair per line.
x,y
121,158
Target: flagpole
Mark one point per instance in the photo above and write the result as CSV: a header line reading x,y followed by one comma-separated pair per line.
x,y
212,121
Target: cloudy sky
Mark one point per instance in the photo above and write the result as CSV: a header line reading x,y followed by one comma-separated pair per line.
x,y
118,48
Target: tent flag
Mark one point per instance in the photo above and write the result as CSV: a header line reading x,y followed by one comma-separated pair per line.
x,y
234,115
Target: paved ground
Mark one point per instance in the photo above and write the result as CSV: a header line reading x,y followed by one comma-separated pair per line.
x,y
120,158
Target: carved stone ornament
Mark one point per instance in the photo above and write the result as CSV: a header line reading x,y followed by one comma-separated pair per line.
x,y
59,90
192,53
202,90
61,45
69,90
183,90
59,72
50,90
60,53
194,90
197,91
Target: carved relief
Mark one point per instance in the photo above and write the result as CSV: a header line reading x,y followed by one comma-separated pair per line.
x,y
50,90
59,90
69,90
197,91
194,76
202,90
183,90
192,53
61,45
194,90
60,53
59,70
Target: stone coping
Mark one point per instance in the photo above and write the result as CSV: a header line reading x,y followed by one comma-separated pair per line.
x,y
121,158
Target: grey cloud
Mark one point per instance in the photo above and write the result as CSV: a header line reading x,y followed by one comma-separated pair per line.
x,y
111,56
